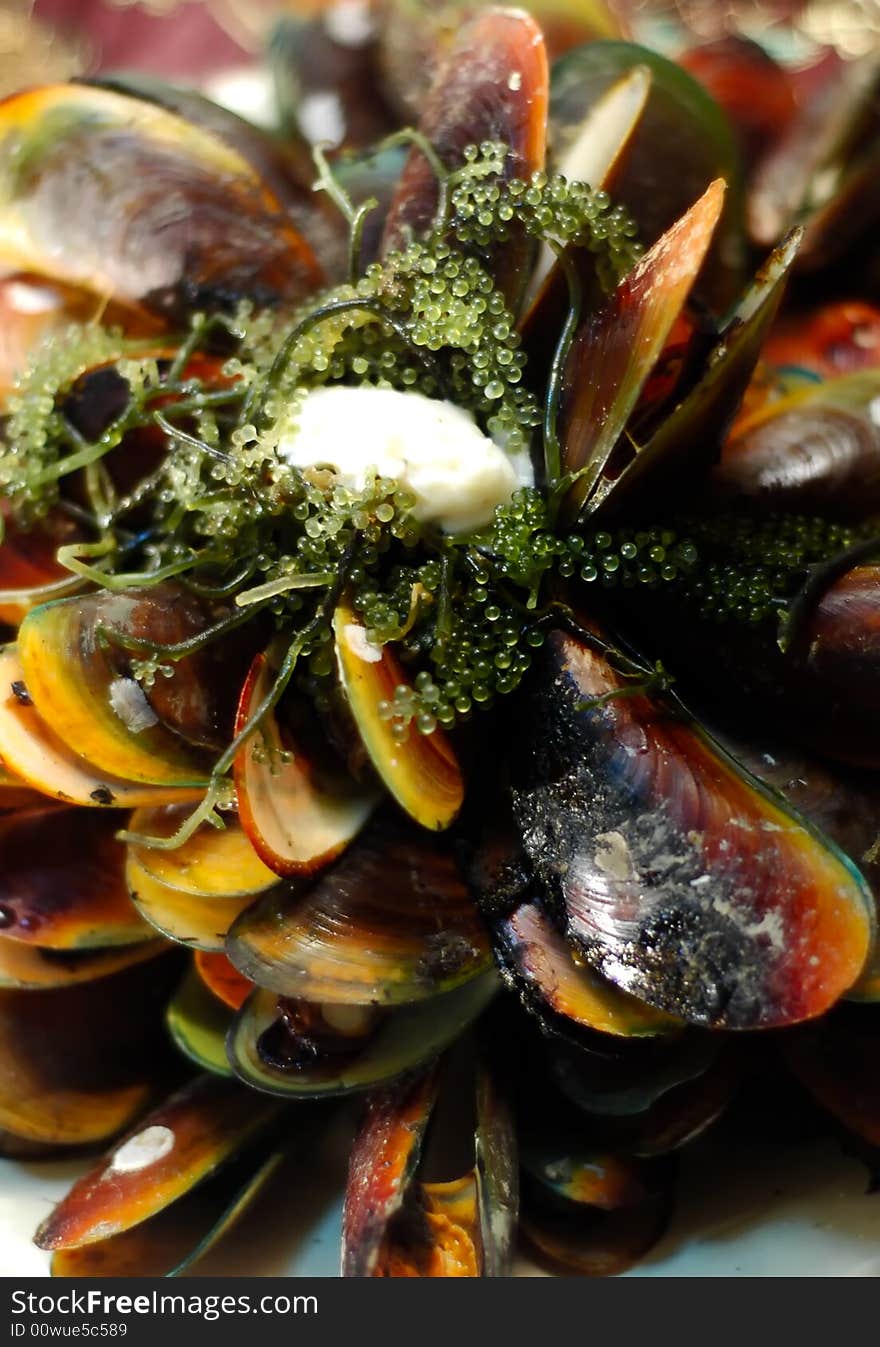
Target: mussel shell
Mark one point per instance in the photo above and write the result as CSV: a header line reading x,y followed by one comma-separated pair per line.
x,y
62,883
422,772
222,978
815,451
382,1164
673,458
121,197
198,1024
497,1175
802,175
28,563
682,143
568,996
180,1143
212,863
390,923
617,346
592,156
625,1085
14,794
80,1063
41,759
447,1208
821,691
683,881
583,1241
176,1238
282,163
80,683
843,639
843,803
31,968
298,813
32,307
491,85
404,1038
188,918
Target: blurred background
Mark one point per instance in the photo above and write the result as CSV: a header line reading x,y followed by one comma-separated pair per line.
x,y
219,42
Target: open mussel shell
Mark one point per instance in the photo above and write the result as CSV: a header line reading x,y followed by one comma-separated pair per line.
x,y
675,454
617,346
492,85
682,143
39,758
591,156
84,200
433,1186
79,1063
681,878
297,815
180,1143
305,1050
62,883
421,771
77,672
198,1024
389,924
567,995
177,1237
815,450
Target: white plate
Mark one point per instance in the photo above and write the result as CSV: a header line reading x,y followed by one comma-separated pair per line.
x,y
755,1212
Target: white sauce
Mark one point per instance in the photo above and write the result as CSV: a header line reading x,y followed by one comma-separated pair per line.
x,y
433,449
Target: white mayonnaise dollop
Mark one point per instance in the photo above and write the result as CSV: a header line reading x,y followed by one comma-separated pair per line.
x,y
434,449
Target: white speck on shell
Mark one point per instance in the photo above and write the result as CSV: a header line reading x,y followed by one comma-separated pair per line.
x,y
357,641
143,1149
613,856
129,701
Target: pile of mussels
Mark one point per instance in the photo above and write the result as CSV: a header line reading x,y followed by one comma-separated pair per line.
x,y
278,832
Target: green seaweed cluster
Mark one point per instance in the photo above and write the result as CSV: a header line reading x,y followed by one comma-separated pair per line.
x,y
219,508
